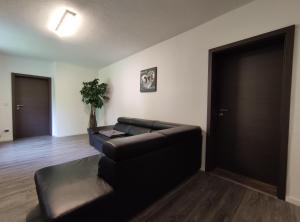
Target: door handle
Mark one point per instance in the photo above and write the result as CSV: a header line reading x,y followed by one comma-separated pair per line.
x,y
19,107
222,111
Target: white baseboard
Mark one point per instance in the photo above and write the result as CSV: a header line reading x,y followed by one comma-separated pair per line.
x,y
5,140
72,134
293,200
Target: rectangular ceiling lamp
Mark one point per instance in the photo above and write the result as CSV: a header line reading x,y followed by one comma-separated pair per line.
x,y
66,24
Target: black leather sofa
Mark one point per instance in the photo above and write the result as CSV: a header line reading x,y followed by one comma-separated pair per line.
x,y
131,173
130,126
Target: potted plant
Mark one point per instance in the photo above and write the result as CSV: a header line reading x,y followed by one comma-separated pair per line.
x,y
94,94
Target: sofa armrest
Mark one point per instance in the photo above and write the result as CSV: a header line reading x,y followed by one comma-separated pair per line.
x,y
129,147
97,129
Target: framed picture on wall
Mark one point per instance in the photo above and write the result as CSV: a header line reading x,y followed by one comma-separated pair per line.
x,y
148,80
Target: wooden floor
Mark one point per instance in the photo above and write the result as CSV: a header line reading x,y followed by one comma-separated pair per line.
x,y
246,181
202,198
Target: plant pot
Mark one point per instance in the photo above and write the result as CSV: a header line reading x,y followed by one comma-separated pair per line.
x,y
93,120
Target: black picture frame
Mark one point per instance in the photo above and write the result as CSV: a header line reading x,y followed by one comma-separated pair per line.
x,y
148,80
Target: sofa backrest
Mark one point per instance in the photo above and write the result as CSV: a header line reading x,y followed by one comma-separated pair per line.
x,y
121,149
135,126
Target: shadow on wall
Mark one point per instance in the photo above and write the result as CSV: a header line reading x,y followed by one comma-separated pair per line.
x,y
204,134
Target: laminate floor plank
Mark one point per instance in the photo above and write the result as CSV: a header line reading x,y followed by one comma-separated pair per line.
x,y
202,198
222,208
187,197
18,162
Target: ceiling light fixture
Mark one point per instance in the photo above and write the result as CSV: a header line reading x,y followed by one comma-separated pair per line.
x,y
64,22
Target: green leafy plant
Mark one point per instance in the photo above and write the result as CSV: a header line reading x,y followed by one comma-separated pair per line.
x,y
94,94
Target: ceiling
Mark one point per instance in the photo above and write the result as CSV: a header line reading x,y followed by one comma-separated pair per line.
x,y
110,29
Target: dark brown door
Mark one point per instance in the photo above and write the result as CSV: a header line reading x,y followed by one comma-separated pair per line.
x,y
249,91
31,106
248,110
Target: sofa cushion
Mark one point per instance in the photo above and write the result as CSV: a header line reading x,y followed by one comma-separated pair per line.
x,y
69,187
122,127
112,133
136,130
131,129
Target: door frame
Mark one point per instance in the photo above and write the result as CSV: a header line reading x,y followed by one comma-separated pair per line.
x,y
287,34
13,80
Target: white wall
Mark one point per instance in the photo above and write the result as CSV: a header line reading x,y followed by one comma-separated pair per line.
x,y
71,115
183,74
9,64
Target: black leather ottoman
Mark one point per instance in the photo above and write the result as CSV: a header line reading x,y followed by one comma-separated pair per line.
x,y
72,191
